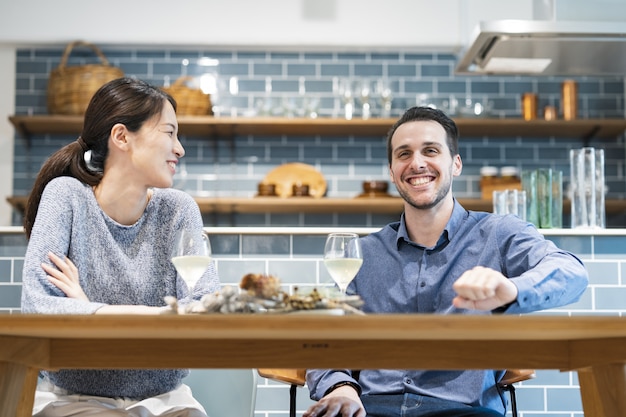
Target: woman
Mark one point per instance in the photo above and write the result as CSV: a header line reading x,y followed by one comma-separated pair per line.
x,y
101,221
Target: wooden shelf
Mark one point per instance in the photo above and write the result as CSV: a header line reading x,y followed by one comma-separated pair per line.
x,y
379,205
227,126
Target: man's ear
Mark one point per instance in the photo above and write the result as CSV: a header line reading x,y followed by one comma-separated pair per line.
x,y
391,177
458,166
119,136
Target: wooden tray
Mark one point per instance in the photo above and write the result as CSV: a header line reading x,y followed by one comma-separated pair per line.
x,y
285,176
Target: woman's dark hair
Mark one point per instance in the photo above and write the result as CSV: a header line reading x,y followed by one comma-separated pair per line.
x,y
427,113
128,101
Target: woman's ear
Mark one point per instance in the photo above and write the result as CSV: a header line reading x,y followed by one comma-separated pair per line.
x,y
119,135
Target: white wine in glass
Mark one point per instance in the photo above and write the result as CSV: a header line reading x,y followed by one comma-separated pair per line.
x,y
191,255
343,258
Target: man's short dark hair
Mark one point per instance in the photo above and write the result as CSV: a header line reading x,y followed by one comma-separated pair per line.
x,y
427,113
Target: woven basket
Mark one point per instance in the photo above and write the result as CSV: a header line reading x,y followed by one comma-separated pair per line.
x,y
71,88
190,101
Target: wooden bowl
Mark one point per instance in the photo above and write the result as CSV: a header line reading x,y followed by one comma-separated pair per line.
x,y
266,190
375,186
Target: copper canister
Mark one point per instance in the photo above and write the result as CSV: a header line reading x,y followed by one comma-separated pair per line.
x,y
529,106
549,113
569,99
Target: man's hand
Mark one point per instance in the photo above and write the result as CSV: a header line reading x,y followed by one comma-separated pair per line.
x,y
65,277
483,288
344,401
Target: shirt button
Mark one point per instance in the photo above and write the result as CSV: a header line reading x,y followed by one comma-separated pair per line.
x,y
408,381
422,284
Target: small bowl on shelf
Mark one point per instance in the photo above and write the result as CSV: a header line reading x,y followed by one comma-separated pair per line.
x,y
375,188
266,190
300,190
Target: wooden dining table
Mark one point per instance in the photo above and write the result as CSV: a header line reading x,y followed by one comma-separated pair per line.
x,y
594,346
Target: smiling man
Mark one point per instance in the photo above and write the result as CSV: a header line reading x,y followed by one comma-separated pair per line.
x,y
440,258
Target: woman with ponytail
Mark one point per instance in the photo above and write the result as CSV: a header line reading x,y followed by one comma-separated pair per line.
x,y
101,220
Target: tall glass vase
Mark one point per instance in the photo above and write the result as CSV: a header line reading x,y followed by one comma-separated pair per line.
x,y
587,187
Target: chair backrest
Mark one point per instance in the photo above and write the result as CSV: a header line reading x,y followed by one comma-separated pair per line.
x,y
224,392
512,376
298,376
290,376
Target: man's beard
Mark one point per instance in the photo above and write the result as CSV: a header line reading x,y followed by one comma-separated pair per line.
x,y
441,194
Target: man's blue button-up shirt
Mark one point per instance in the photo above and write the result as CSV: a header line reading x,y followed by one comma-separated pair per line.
x,y
400,276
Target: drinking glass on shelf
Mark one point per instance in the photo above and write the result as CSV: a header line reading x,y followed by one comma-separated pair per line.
x,y
344,90
191,255
343,258
383,90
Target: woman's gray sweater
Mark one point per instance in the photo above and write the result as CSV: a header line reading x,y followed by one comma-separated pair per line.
x,y
117,264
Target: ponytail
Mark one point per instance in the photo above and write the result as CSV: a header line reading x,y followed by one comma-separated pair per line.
x,y
67,161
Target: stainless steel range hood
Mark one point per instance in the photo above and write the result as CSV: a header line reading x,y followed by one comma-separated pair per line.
x,y
547,47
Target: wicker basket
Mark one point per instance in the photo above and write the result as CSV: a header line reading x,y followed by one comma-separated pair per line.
x,y
71,88
190,101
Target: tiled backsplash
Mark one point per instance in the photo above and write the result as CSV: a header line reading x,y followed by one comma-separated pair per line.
x,y
295,257
286,79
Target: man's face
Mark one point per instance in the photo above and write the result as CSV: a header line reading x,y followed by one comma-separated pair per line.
x,y
421,165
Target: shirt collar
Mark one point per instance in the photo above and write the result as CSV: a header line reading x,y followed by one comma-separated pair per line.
x,y
459,214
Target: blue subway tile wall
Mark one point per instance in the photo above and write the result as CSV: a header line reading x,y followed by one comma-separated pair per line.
x,y
300,83
295,257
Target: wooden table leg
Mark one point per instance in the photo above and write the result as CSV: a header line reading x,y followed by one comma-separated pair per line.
x,y
17,389
603,390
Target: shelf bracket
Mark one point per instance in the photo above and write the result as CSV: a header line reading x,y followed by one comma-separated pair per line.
x,y
590,135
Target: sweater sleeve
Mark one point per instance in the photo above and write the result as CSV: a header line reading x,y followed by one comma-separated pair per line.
x,y
51,233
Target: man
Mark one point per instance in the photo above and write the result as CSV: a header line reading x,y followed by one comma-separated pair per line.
x,y
440,258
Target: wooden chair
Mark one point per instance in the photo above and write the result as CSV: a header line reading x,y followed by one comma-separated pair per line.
x,y
297,378
507,383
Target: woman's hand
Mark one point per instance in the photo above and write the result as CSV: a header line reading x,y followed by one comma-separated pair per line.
x,y
64,276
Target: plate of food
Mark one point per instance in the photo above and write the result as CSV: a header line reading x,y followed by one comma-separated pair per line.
x,y
262,293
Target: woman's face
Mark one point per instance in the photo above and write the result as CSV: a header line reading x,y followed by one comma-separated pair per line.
x,y
156,149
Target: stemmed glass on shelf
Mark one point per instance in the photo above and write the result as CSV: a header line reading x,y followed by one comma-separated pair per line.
x,y
191,255
383,89
364,92
343,258
344,89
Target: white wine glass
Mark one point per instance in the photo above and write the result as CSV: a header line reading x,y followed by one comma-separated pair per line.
x,y
343,258
191,255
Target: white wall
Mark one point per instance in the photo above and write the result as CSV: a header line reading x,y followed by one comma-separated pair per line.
x,y
421,25
297,23
7,105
